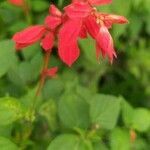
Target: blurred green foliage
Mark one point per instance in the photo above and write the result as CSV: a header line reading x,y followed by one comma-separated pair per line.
x,y
91,106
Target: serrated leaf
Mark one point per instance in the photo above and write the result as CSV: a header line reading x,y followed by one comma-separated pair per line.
x,y
104,111
73,111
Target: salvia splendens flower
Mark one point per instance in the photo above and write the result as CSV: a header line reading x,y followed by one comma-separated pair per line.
x,y
79,20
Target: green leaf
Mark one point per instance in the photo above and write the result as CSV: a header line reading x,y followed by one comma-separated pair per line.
x,y
104,111
6,144
39,5
127,113
52,89
6,130
10,110
138,119
7,56
120,140
27,71
141,119
73,111
88,47
49,111
117,7
100,146
69,142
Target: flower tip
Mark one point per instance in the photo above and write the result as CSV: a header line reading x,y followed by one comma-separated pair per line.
x,y
53,10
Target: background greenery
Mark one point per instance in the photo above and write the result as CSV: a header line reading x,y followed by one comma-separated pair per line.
x,y
89,106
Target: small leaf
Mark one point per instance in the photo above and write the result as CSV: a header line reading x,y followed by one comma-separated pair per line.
x,y
104,111
6,144
10,110
69,142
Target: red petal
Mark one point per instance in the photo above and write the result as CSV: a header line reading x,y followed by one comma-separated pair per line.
x,y
52,22
55,11
83,32
92,26
78,10
69,53
51,72
105,43
48,41
67,46
29,36
100,2
19,46
94,2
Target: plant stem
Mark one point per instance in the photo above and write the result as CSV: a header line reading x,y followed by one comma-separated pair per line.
x,y
42,80
27,12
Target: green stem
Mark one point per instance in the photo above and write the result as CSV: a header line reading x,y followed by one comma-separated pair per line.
x,y
27,13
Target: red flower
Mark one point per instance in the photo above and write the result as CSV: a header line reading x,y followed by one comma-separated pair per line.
x,y
45,33
17,2
84,18
79,19
94,2
55,19
67,45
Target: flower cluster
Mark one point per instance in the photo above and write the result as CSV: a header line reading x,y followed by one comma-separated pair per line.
x,y
78,20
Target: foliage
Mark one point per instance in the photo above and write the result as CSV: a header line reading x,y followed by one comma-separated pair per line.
x,y
90,106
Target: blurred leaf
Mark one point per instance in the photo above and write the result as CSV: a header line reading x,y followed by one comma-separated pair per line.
x,y
88,47
141,119
31,51
52,88
127,113
39,5
73,111
104,111
7,56
120,140
49,111
10,110
117,7
27,71
6,130
6,144
69,142
100,146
